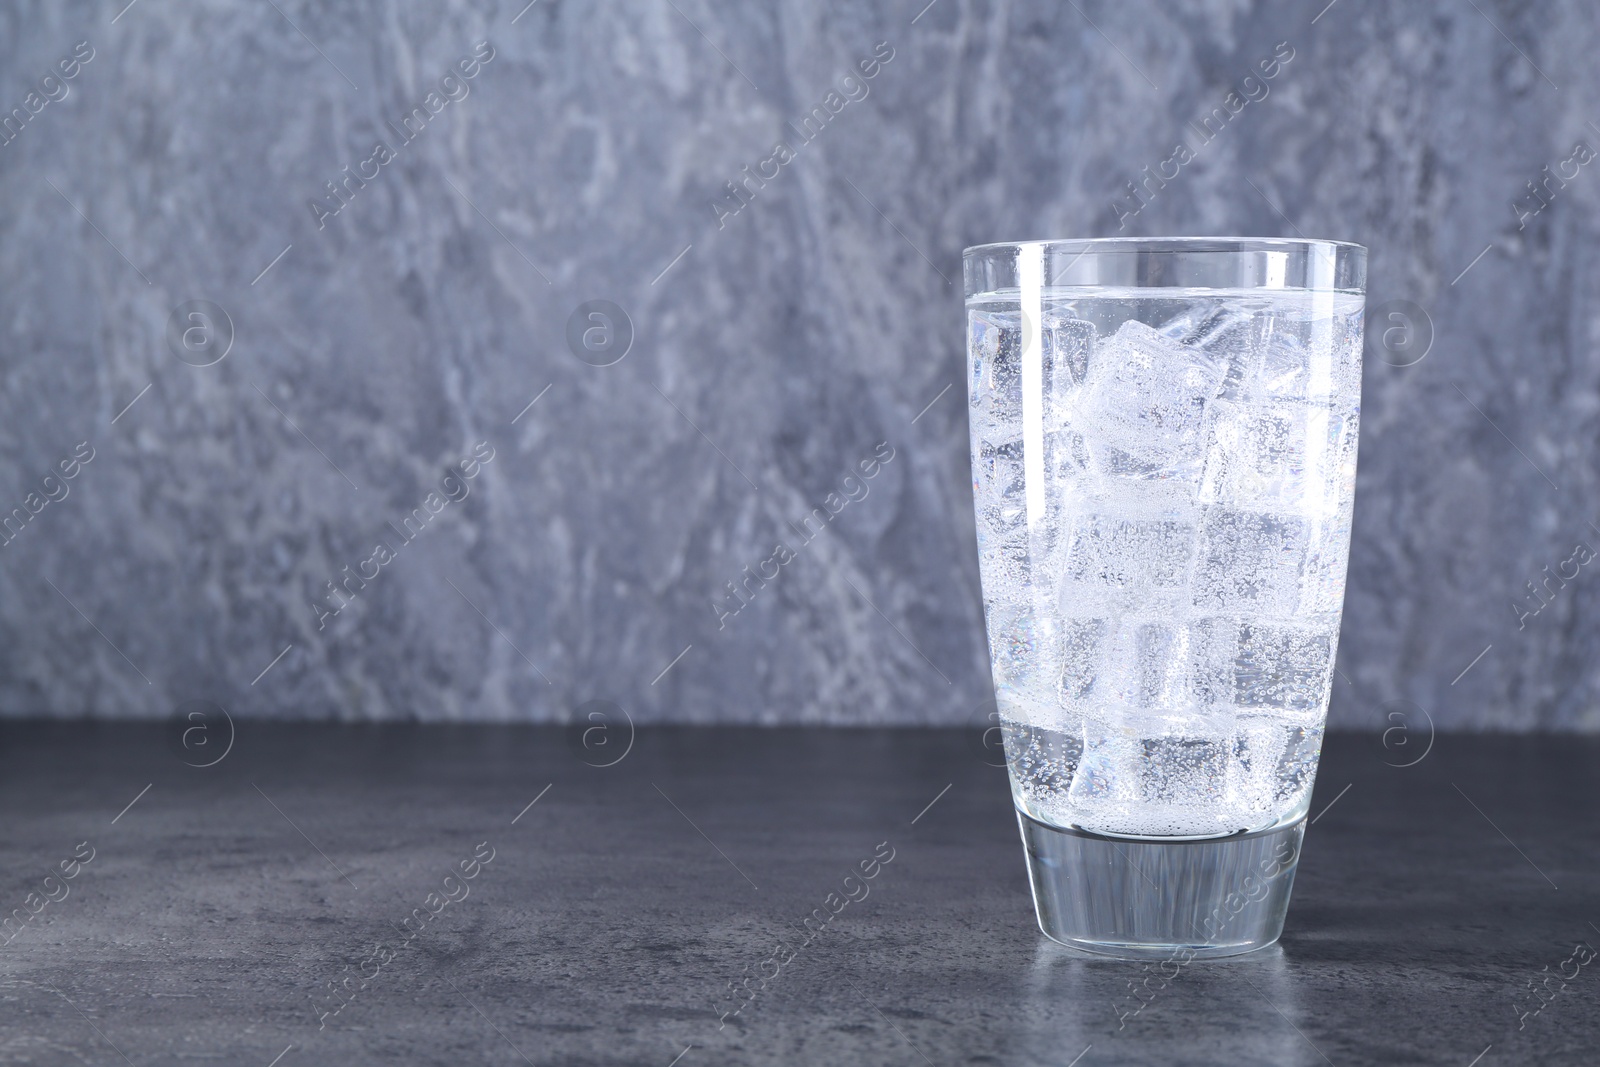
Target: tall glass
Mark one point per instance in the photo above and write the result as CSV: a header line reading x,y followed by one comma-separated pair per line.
x,y
1163,468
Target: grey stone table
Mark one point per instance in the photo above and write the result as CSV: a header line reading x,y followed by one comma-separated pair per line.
x,y
209,919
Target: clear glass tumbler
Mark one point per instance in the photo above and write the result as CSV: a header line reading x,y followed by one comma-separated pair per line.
x,y
1163,469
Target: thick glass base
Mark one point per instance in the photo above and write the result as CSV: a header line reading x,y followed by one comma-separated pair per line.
x,y
1143,898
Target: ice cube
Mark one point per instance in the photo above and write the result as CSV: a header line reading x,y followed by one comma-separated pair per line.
x,y
1202,324
1134,499
1258,743
1146,665
1290,457
983,342
1273,455
1297,767
1322,585
1331,436
1212,644
1108,771
1227,332
1023,644
1294,357
1146,395
999,485
1322,589
1113,463
995,344
1066,457
1020,645
1006,560
1153,774
1249,562
1259,665
1115,564
1283,667
1043,761
1065,346
1185,770
1067,486
994,357
1284,369
1082,642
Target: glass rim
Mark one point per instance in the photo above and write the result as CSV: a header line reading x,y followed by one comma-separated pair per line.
x,y
1158,245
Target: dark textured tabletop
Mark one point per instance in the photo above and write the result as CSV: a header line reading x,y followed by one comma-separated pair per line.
x,y
451,895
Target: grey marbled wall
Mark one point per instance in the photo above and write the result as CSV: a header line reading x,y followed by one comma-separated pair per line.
x,y
777,339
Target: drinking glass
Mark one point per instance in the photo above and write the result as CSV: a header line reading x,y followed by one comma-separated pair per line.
x,y
1163,471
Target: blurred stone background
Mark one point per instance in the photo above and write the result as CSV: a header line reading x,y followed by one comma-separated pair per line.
x,y
773,347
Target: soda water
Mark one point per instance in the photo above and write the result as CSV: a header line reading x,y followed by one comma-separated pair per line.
x,y
1162,482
